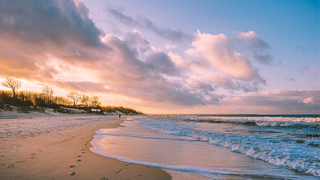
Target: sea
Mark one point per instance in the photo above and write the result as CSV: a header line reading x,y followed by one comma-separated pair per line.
x,y
218,146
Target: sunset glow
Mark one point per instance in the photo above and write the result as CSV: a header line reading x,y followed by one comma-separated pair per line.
x,y
189,57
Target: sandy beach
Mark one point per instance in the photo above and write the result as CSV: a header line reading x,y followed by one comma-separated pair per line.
x,y
62,151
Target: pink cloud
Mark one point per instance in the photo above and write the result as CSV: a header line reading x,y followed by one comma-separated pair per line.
x,y
63,47
253,40
216,62
315,70
308,100
216,48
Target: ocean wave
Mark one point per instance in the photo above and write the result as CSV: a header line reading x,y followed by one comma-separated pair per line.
x,y
269,123
298,154
204,171
298,122
238,118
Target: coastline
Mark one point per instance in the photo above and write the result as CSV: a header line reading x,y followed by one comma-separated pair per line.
x,y
65,154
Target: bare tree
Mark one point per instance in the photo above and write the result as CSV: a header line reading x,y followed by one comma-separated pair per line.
x,y
74,96
48,91
12,83
95,101
84,100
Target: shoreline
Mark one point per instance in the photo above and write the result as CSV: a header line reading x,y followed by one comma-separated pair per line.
x,y
65,154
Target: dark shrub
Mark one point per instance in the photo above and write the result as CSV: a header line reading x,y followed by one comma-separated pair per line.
x,y
2,104
17,102
54,106
27,103
41,102
7,99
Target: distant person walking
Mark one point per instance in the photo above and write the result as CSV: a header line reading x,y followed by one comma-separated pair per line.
x,y
119,116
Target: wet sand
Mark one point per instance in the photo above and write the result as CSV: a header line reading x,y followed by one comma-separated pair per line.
x,y
65,154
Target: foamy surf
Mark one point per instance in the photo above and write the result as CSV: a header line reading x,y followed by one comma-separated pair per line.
x,y
283,154
208,172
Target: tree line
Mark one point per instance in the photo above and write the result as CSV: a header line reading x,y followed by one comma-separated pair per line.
x,y
122,109
47,99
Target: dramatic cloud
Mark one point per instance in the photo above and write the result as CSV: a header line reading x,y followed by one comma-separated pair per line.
x,y
223,66
143,22
215,49
30,30
146,72
55,42
55,23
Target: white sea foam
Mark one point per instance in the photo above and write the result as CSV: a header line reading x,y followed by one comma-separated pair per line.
x,y
259,120
298,154
203,171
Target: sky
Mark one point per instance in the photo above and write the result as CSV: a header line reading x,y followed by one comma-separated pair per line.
x,y
168,57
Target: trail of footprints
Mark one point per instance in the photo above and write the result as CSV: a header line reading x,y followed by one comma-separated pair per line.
x,y
79,160
33,155
79,156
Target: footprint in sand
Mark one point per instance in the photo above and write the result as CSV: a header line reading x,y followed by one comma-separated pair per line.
x,y
104,178
73,173
79,156
72,166
33,155
79,160
119,171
